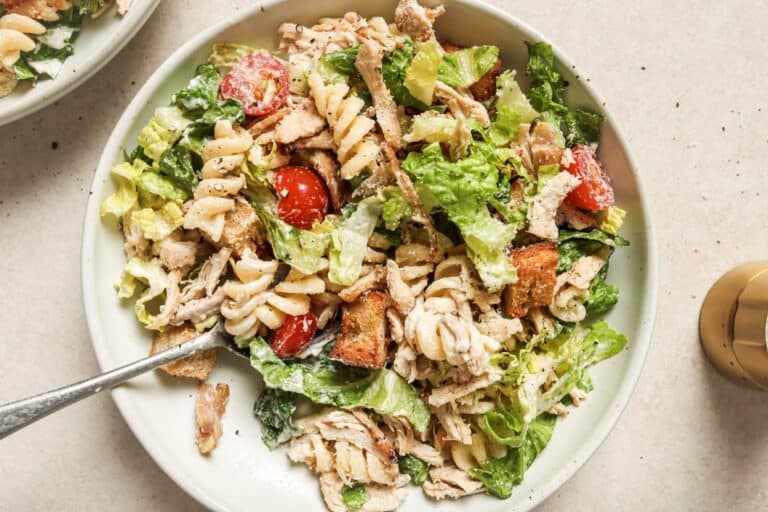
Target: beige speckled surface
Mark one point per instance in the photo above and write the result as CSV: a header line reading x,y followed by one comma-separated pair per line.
x,y
686,80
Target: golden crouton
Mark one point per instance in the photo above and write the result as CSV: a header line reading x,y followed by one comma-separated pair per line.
x,y
363,340
242,230
485,88
536,273
197,366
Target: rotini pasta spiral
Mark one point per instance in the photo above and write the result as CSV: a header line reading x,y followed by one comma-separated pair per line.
x,y
356,148
14,39
441,326
223,157
253,306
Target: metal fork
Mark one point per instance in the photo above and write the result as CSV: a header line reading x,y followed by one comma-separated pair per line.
x,y
19,414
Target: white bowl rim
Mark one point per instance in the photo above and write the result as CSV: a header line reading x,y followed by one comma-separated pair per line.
x,y
92,222
65,83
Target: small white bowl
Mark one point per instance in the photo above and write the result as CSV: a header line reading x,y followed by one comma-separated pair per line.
x,y
98,42
242,474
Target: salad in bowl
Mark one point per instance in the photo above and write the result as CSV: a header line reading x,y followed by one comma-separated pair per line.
x,y
372,177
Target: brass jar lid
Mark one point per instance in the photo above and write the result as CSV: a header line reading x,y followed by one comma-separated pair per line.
x,y
733,324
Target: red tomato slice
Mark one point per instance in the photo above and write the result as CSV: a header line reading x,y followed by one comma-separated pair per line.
x,y
294,335
259,81
595,192
302,196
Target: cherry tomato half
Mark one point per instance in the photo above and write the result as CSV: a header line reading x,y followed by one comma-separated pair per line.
x,y
294,335
595,192
302,196
259,81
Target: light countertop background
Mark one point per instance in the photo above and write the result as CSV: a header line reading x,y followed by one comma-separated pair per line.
x,y
687,82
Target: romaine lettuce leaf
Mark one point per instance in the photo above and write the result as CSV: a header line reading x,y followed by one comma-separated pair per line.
x,y
463,189
465,67
501,475
226,55
328,382
89,6
158,224
150,273
342,62
394,68
613,220
414,467
509,95
275,408
200,94
350,242
583,126
176,164
505,126
299,248
421,75
394,207
162,131
354,496
125,175
574,244
602,296
154,190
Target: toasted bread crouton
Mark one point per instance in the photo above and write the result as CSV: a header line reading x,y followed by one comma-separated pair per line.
x,y
485,88
197,366
536,273
363,339
242,230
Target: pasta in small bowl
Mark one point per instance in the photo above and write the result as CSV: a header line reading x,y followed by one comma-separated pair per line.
x,y
451,197
48,47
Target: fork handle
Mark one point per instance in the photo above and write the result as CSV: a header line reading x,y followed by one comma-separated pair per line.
x,y
21,413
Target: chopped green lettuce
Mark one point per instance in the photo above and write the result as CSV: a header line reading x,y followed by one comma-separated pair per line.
x,y
414,467
176,164
195,134
547,95
354,496
505,126
465,67
299,248
613,220
158,224
154,190
394,68
162,131
395,207
200,93
328,382
275,408
350,242
150,273
125,175
463,189
421,75
226,55
510,96
546,173
602,296
574,244
341,62
89,6
501,475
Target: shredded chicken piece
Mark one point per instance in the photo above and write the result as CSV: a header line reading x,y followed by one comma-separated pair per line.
x,y
463,103
401,294
542,210
572,288
455,427
301,122
368,62
416,20
208,278
381,498
451,392
323,140
209,408
373,280
198,310
499,328
544,149
176,254
269,122
450,482
379,178
324,165
123,6
574,217
171,304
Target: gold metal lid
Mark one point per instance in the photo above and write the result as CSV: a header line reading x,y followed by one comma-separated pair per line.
x,y
733,324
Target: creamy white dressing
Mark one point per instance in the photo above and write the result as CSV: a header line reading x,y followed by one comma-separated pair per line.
x,y
50,67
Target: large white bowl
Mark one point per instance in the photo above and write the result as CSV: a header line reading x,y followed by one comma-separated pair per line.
x,y
242,474
99,41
